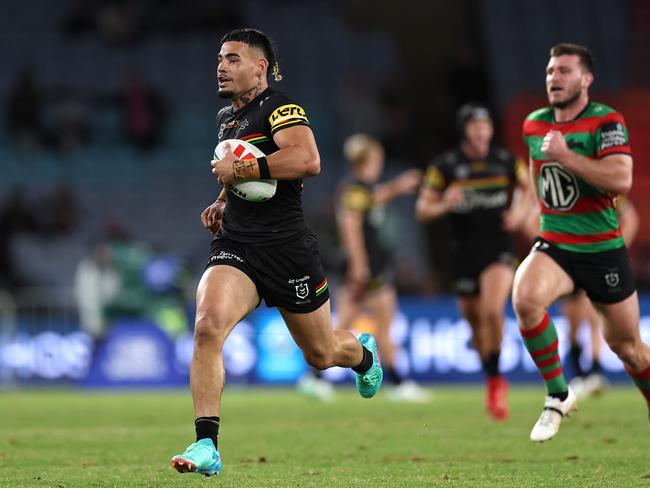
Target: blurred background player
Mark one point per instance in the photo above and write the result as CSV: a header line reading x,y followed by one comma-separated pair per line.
x,y
368,281
474,184
578,310
262,250
581,160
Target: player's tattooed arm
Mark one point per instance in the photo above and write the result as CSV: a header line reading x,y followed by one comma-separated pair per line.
x,y
245,169
230,168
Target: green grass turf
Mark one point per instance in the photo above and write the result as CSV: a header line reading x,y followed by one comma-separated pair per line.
x,y
276,438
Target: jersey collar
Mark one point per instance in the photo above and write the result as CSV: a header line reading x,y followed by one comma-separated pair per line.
x,y
252,102
582,112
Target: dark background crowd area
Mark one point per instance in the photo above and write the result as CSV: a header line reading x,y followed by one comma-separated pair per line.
x,y
109,113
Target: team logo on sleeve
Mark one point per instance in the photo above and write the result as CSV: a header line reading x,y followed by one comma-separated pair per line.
x,y
434,178
612,135
521,168
557,187
287,114
356,199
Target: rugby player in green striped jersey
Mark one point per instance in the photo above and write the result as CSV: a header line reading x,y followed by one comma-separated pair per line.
x,y
580,160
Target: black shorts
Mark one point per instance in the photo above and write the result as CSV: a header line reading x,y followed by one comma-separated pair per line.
x,y
467,266
605,276
289,276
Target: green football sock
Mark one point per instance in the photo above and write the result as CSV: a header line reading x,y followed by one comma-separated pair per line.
x,y
541,343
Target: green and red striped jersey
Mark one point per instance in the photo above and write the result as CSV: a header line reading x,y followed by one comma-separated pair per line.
x,y
576,215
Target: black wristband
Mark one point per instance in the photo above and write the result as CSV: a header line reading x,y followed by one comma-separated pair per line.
x,y
263,165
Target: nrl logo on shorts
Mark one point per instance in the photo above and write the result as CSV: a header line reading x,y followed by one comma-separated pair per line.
x,y
612,279
302,290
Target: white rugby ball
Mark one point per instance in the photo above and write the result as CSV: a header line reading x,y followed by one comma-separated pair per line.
x,y
251,190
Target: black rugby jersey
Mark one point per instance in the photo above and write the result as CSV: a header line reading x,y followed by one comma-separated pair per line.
x,y
279,219
487,187
356,196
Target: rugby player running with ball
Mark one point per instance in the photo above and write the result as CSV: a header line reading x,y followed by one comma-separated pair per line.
x,y
262,250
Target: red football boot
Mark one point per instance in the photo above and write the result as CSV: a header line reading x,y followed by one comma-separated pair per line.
x,y
496,401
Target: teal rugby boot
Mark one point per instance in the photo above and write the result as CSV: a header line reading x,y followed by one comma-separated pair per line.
x,y
200,457
368,383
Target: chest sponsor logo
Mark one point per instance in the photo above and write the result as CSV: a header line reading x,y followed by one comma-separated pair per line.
x,y
557,187
285,113
477,199
238,125
226,256
479,167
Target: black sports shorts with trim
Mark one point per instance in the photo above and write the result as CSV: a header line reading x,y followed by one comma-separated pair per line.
x,y
605,276
288,276
467,266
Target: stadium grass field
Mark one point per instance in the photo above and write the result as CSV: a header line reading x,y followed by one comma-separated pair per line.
x,y
276,438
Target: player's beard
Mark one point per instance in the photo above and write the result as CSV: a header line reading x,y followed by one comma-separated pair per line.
x,y
226,94
572,98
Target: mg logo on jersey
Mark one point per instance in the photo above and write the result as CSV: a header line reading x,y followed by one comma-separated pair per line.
x,y
557,187
302,290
